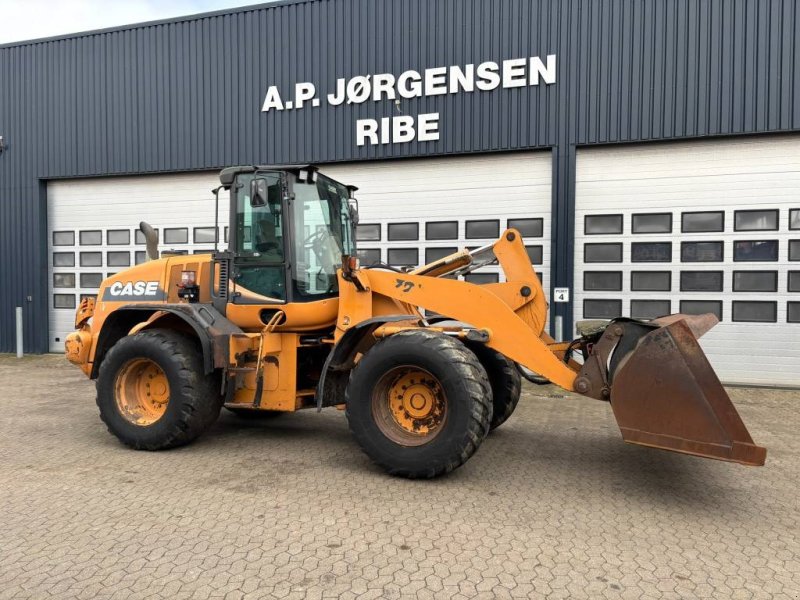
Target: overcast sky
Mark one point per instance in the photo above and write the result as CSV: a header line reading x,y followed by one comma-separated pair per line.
x,y
29,19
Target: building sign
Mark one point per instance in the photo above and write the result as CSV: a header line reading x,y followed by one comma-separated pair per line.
x,y
436,81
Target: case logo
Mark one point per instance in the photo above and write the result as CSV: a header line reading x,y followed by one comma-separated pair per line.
x,y
133,290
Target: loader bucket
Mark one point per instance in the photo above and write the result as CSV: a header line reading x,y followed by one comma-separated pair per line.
x,y
665,394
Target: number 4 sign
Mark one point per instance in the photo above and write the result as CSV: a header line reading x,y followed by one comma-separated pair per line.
x,y
561,295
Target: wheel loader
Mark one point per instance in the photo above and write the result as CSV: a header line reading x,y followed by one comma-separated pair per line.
x,y
424,364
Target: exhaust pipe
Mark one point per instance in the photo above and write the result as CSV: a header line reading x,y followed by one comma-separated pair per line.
x,y
150,239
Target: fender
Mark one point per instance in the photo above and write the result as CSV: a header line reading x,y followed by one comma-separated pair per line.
x,y
212,329
354,340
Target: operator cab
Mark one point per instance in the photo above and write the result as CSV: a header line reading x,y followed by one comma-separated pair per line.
x,y
289,228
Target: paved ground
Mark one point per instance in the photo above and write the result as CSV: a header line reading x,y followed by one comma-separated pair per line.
x,y
553,505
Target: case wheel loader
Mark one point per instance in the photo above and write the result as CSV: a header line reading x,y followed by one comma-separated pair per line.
x,y
424,364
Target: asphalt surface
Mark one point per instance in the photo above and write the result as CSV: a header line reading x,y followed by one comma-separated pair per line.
x,y
553,505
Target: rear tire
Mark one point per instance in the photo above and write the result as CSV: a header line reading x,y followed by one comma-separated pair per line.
x,y
419,404
152,391
505,381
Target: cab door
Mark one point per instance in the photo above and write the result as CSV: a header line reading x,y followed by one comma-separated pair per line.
x,y
259,241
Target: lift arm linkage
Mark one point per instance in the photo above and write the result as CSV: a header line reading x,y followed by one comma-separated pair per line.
x,y
513,313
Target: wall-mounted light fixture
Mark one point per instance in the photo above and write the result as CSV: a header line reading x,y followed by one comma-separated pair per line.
x,y
2,144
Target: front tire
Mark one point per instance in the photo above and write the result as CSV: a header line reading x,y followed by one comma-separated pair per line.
x,y
152,391
419,403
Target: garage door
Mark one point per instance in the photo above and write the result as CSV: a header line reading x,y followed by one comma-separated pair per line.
x,y
93,231
416,211
694,227
412,212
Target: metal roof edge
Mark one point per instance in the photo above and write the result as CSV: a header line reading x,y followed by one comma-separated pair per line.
x,y
193,17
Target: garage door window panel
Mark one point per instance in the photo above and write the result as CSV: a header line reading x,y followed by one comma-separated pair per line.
x,y
755,251
91,259
701,281
745,311
602,281
176,235
794,218
368,232
118,259
91,280
63,300
481,278
63,280
602,253
793,283
205,235
63,259
441,230
703,222
651,252
702,251
118,237
91,238
369,256
403,257
527,227
434,254
139,237
794,249
651,281
63,238
602,224
488,229
399,232
652,223
755,281
701,307
793,312
601,308
755,220
649,309
535,254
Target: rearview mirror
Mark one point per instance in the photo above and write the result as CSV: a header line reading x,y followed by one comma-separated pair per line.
x,y
353,206
258,192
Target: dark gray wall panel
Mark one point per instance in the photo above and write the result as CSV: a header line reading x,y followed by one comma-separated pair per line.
x,y
186,94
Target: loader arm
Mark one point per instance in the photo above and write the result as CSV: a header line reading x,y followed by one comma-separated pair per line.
x,y
513,313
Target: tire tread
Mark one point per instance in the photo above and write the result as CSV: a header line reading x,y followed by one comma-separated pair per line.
x,y
199,393
505,381
469,369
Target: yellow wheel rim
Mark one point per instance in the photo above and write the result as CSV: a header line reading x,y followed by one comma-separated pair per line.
x,y
409,406
142,392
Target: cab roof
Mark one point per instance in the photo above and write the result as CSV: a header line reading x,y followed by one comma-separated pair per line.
x,y
227,175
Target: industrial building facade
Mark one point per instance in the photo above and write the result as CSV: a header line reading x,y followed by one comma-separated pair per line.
x,y
649,152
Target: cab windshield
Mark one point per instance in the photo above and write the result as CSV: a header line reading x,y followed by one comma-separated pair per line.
x,y
323,232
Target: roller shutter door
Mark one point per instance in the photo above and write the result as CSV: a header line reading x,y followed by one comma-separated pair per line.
x,y
701,226
417,210
412,211
93,231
